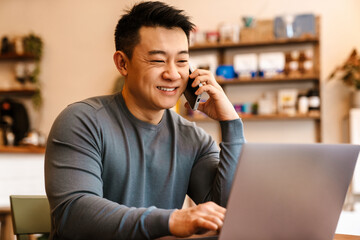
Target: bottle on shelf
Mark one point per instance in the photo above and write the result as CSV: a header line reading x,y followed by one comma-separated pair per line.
x,y
303,104
314,102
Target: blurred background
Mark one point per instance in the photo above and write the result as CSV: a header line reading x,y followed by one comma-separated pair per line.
x,y
281,62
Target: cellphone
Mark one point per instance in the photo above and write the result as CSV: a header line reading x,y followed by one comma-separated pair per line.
x,y
189,93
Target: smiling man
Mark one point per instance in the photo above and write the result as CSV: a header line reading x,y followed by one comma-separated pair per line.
x,y
119,166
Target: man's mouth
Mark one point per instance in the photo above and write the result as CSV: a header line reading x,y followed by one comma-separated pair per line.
x,y
167,89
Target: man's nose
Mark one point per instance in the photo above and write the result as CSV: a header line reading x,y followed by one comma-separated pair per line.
x,y
171,72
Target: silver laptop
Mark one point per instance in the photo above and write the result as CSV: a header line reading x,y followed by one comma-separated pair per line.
x,y
288,191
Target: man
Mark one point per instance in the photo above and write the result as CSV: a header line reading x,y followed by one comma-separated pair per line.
x,y
119,167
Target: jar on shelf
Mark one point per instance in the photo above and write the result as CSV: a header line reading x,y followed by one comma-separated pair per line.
x,y
303,104
20,72
314,100
19,45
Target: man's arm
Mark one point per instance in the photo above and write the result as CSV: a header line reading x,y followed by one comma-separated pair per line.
x,y
73,169
210,183
210,173
211,179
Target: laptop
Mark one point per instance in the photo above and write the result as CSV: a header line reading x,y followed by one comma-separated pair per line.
x,y
288,191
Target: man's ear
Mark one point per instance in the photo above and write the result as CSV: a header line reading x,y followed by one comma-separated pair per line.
x,y
121,61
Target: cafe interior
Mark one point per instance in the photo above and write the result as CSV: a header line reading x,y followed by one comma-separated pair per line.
x,y
291,69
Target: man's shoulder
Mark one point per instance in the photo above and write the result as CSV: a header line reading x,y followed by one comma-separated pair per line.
x,y
86,109
95,103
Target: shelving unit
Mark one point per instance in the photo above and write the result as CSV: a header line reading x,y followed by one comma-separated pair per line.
x,y
224,53
25,91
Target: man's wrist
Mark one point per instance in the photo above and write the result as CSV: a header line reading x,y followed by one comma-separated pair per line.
x,y
158,222
232,130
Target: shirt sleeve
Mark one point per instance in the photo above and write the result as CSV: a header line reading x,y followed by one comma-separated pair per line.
x,y
213,172
73,168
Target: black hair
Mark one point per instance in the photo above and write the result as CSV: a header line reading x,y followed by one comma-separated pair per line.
x,y
147,14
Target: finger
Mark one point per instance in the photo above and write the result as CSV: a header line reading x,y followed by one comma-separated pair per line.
x,y
187,105
213,208
199,72
210,89
217,211
218,208
201,79
212,83
204,223
214,219
204,75
217,214
195,73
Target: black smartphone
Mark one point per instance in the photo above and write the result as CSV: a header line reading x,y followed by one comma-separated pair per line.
x,y
189,93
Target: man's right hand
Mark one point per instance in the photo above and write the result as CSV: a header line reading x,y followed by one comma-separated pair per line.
x,y
189,221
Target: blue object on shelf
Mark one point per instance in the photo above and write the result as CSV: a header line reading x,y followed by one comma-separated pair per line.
x,y
226,71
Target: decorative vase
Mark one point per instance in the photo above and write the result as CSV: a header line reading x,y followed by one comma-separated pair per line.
x,y
356,99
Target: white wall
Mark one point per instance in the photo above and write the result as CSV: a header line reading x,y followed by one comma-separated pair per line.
x,y
78,38
21,174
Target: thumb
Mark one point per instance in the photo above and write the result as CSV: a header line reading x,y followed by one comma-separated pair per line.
x,y
201,107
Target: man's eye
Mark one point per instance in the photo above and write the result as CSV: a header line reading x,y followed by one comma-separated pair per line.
x,y
157,61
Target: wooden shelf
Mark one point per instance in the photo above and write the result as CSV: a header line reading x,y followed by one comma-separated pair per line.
x,y
25,92
312,116
280,78
288,41
16,57
252,117
22,149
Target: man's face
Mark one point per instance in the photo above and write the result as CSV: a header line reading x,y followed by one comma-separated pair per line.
x,y
158,71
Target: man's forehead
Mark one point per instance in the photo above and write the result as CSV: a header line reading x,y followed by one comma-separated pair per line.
x,y
160,40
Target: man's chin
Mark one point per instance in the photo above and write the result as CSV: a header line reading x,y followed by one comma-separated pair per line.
x,y
168,103
168,106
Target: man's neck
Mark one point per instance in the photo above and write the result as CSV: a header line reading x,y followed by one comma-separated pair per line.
x,y
145,115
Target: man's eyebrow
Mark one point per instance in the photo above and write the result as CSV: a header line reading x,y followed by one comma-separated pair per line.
x,y
154,52
184,52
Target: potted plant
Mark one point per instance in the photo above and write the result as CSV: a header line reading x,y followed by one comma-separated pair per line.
x,y
33,46
349,73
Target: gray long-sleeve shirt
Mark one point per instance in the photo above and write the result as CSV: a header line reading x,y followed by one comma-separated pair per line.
x,y
111,176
